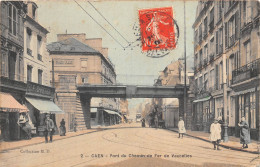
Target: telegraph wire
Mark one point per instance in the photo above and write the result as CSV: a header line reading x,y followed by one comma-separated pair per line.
x,y
99,24
108,22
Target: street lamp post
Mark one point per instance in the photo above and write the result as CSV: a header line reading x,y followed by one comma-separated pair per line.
x,y
224,58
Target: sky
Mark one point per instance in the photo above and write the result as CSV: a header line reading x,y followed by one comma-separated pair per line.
x,y
132,66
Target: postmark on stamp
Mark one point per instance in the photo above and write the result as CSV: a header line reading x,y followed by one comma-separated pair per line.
x,y
157,29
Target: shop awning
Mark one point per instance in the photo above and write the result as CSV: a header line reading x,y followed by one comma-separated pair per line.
x,y
9,104
93,110
203,99
45,106
113,112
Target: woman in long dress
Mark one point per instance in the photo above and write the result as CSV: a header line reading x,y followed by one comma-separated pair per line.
x,y
181,127
215,134
244,132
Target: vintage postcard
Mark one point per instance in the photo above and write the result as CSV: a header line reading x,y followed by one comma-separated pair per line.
x,y
125,83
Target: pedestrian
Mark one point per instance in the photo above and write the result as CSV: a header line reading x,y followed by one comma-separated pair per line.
x,y
215,133
156,121
23,122
48,128
62,128
181,127
143,122
244,132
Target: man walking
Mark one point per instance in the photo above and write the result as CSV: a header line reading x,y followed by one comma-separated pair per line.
x,y
49,128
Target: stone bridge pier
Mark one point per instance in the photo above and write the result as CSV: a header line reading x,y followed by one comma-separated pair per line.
x,y
85,102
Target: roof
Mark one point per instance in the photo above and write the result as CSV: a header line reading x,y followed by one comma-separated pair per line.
x,y
36,24
71,45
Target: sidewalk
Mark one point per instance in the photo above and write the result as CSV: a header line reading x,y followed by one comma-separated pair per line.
x,y
233,143
10,145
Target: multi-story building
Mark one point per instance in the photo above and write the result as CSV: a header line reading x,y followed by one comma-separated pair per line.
x,y
226,48
77,61
37,66
12,84
36,57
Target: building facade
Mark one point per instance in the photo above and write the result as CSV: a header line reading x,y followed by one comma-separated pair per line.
x,y
77,61
12,84
226,49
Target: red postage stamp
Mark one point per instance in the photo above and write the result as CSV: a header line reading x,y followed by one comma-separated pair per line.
x,y
157,28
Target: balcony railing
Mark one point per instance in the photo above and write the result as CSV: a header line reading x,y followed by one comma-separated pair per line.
x,y
29,51
245,72
15,84
231,40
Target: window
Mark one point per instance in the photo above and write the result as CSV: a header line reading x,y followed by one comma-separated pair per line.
x,y
12,19
196,37
200,33
212,46
220,9
216,78
211,22
28,40
247,46
39,76
29,73
231,30
39,44
221,74
205,26
33,11
226,35
201,56
11,64
84,64
206,81
212,78
200,82
206,52
84,79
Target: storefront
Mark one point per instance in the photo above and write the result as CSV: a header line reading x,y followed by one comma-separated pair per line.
x,y
202,114
39,108
10,110
246,106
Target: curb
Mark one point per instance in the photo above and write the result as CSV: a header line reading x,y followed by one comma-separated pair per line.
x,y
8,149
224,146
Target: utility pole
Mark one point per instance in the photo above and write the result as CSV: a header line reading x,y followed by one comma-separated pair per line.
x,y
185,84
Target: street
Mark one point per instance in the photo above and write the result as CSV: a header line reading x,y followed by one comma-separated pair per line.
x,y
127,145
